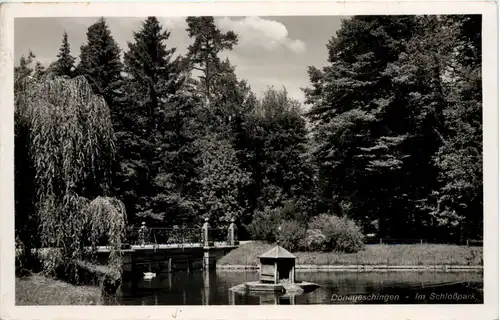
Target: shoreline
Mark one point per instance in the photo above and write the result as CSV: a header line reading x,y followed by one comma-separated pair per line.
x,y
375,257
37,290
363,268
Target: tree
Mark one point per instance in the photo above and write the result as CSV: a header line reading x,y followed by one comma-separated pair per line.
x,y
25,70
420,99
387,109
457,205
228,101
153,81
360,124
26,218
232,100
152,70
176,182
209,41
68,142
275,155
285,146
221,180
101,65
64,66
447,125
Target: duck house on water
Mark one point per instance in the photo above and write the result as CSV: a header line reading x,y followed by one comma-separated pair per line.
x,y
277,274
277,265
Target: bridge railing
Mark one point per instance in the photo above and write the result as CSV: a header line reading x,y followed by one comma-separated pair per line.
x,y
164,236
182,236
220,235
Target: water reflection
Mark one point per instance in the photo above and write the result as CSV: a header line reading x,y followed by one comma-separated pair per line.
x,y
265,298
206,287
211,288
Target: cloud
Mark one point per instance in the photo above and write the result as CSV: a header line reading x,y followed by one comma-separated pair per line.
x,y
122,30
256,33
178,23
134,23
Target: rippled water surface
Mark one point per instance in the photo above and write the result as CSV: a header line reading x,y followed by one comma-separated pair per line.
x,y
212,288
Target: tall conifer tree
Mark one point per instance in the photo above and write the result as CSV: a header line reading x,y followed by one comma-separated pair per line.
x,y
100,63
153,73
208,42
362,126
159,116
64,66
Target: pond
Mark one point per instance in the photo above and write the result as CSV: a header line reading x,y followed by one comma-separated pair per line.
x,y
212,288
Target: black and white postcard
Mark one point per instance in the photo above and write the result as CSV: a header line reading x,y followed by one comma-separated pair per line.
x,y
271,160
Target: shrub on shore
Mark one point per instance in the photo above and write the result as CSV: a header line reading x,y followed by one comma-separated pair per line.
x,y
265,224
292,235
325,232
315,240
332,233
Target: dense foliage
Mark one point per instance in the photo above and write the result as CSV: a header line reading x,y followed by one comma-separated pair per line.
x,y
396,142
66,143
329,232
154,136
391,142
292,235
265,224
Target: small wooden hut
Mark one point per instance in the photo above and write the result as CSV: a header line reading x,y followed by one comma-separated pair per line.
x,y
277,266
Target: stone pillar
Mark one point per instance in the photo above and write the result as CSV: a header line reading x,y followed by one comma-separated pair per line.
x,y
233,234
206,235
207,243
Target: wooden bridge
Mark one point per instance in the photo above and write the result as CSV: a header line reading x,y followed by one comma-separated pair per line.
x,y
171,249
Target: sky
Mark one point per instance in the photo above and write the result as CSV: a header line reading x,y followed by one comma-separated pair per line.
x,y
272,51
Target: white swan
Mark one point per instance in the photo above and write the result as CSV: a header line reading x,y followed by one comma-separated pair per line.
x,y
149,275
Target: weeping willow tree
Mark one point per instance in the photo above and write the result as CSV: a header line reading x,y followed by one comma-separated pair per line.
x,y
108,220
66,135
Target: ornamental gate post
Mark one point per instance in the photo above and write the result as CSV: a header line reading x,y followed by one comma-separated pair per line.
x,y
206,235
207,243
233,234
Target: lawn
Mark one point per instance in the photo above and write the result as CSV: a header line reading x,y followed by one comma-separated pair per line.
x,y
40,290
373,254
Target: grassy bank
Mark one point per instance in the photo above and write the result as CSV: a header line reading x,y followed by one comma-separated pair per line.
x,y
39,290
375,254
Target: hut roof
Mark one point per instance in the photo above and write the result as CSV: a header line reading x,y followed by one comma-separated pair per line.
x,y
277,252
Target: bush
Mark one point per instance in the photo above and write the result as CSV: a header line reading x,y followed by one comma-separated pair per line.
x,y
315,240
341,234
292,235
265,225
292,211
